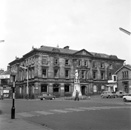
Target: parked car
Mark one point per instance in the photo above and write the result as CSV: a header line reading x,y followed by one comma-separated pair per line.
x,y
127,97
107,94
47,97
120,93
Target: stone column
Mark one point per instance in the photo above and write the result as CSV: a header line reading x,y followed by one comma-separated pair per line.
x,y
50,88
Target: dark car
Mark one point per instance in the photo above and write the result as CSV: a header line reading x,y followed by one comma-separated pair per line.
x,y
47,97
120,93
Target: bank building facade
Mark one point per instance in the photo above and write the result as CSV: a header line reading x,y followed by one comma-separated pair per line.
x,y
51,70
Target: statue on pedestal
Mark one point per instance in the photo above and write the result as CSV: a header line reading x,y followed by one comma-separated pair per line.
x,y
76,85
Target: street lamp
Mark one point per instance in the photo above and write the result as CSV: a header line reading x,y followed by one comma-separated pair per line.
x,y
13,80
26,68
125,31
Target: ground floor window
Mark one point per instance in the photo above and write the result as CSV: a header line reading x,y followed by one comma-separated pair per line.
x,y
67,86
56,88
43,87
94,88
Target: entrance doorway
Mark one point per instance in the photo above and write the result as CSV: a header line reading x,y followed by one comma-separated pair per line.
x,y
83,90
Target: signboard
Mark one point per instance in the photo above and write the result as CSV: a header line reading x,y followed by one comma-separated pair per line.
x,y
4,76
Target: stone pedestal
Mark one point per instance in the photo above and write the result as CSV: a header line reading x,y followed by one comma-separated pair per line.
x,y
76,88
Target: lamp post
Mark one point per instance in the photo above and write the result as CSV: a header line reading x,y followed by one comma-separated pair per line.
x,y
26,68
13,79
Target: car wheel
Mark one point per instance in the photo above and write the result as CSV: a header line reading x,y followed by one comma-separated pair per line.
x,y
41,99
124,99
108,96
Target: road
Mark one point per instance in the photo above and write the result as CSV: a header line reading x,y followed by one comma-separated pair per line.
x,y
60,114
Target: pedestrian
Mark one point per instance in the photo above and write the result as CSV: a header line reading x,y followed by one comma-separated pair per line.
x,y
77,96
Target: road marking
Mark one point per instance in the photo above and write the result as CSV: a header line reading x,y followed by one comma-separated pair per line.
x,y
90,108
25,114
44,112
74,109
59,111
66,110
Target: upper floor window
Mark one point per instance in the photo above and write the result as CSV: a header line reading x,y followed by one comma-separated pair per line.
x,y
44,60
56,72
110,74
66,61
125,74
66,73
85,63
94,74
102,75
83,74
56,61
44,72
110,66
79,62
94,65
114,78
102,65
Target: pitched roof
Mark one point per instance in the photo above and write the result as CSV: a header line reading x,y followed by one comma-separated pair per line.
x,y
124,66
62,50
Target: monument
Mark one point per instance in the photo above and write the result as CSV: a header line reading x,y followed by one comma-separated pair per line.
x,y
76,85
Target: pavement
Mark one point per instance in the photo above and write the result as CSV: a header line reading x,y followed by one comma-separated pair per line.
x,y
6,123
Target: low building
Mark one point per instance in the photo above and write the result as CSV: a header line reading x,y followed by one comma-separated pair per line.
x,y
112,84
51,70
124,78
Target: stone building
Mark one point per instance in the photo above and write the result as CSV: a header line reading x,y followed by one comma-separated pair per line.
x,y
124,78
51,70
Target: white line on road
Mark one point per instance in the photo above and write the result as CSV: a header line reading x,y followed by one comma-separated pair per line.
x,y
73,109
59,111
25,114
43,112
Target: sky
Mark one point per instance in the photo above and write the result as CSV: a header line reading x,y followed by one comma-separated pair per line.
x,y
81,24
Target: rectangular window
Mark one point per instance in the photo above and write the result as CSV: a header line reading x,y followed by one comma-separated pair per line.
x,y
83,73
110,74
55,88
94,74
102,65
66,88
94,65
56,72
66,73
55,61
102,75
66,62
43,87
85,63
44,72
79,62
114,78
44,60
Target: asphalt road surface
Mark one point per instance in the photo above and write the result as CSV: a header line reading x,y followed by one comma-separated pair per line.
x,y
94,114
